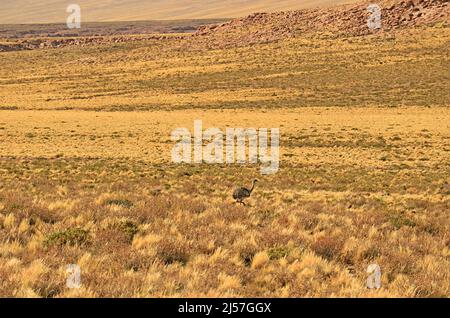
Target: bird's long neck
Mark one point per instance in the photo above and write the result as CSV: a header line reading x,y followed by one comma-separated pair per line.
x,y
253,186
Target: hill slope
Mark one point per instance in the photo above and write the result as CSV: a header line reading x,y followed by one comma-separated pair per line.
x,y
399,68
347,20
53,11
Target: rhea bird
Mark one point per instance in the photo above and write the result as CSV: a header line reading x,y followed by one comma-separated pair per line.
x,y
242,193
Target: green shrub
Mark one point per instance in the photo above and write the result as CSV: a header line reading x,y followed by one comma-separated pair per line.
x,y
75,236
398,220
278,252
120,202
129,228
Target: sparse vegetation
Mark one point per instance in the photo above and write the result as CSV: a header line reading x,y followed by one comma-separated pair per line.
x,y
86,175
120,202
75,236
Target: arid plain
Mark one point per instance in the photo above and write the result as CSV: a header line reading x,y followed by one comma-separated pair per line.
x,y
87,178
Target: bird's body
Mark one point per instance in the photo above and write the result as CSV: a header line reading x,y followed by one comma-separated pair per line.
x,y
242,193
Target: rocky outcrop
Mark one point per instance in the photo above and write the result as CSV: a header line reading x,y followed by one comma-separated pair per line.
x,y
348,20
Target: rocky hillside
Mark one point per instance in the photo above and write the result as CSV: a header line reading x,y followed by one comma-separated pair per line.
x,y
345,20
348,20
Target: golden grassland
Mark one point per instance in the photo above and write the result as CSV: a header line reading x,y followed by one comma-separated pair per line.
x,y
355,186
403,68
361,184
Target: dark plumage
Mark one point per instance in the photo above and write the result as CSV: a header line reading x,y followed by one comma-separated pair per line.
x,y
242,193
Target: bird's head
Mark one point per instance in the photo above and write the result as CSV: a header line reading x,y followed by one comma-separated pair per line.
x,y
255,180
